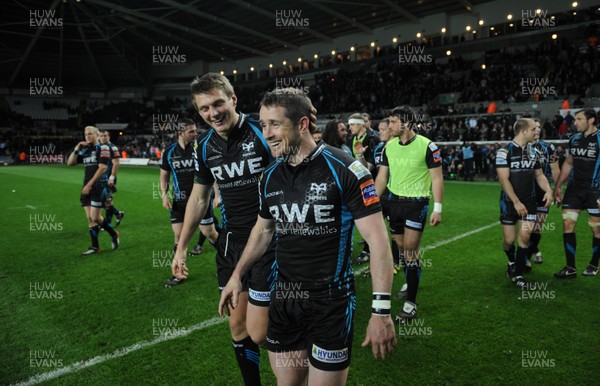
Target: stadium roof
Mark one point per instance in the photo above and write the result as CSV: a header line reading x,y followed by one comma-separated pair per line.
x,y
102,43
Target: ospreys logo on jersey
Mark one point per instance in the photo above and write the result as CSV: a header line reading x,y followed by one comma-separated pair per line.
x,y
248,147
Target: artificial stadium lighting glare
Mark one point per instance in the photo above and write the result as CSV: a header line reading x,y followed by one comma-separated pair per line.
x,y
251,69
574,13
574,4
474,32
299,60
511,25
270,65
481,22
352,48
538,11
234,72
448,53
372,44
333,52
554,36
552,17
418,34
492,28
394,40
316,56
222,72
284,62
443,30
483,66
468,28
509,16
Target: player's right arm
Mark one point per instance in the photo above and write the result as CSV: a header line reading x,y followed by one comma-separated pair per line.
x,y
565,171
382,179
194,211
380,330
72,160
503,178
260,238
503,172
164,188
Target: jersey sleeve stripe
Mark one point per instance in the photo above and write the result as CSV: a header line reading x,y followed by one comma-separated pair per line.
x,y
335,175
332,157
268,174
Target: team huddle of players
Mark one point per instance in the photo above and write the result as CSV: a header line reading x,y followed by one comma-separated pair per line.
x,y
289,205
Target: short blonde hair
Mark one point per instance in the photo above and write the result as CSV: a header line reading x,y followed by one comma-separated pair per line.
x,y
93,128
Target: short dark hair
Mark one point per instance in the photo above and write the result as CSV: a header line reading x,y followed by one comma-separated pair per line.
x,y
405,113
183,123
384,120
295,103
589,114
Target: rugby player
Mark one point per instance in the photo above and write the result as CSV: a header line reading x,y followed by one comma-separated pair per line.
x,y
386,134
411,170
178,164
582,169
95,157
335,134
518,167
364,140
233,154
548,161
111,171
311,197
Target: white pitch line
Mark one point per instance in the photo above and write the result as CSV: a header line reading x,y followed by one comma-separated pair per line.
x,y
119,353
443,242
179,334
29,207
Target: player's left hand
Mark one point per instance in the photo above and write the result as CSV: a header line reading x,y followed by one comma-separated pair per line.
x,y
86,190
230,296
435,219
547,199
178,267
381,334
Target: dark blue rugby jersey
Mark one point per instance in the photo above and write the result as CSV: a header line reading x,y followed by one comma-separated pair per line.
x,y
236,165
378,153
586,163
91,156
181,164
547,155
522,163
313,206
114,153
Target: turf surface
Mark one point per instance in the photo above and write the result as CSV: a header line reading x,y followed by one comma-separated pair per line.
x,y
473,326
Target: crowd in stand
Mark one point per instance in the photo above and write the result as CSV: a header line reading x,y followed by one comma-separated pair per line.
x,y
568,69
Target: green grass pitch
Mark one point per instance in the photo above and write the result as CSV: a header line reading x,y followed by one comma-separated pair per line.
x,y
473,327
